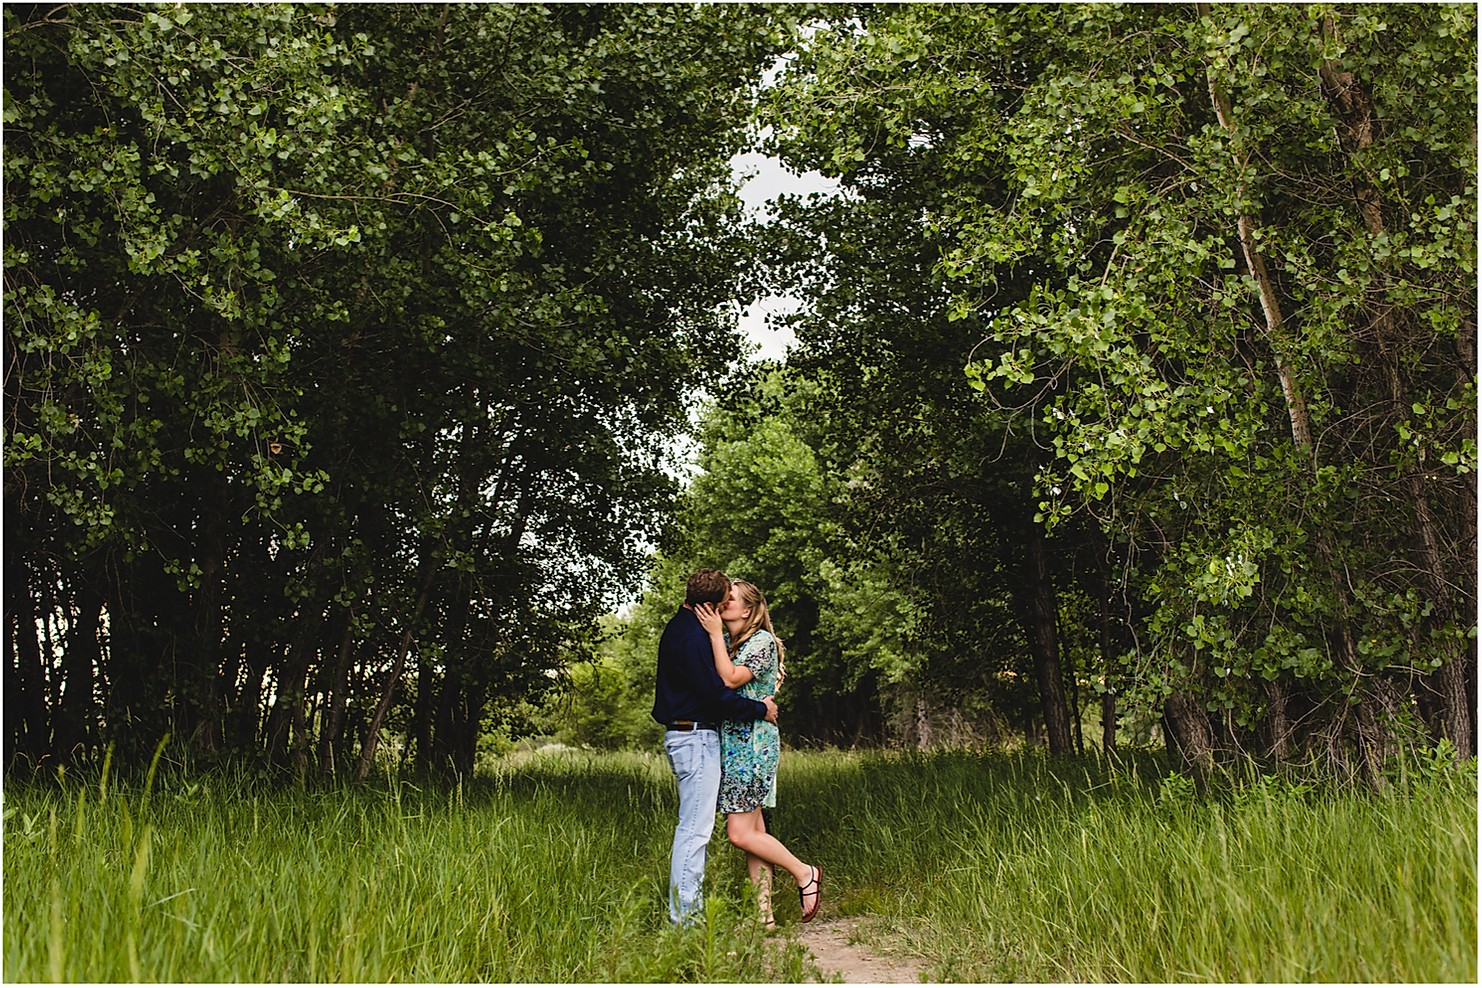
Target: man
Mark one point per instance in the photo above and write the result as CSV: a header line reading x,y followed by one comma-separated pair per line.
x,y
690,701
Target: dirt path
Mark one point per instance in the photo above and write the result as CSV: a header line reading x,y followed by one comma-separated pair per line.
x,y
854,962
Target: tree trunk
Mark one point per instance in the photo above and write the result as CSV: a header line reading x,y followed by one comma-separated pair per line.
x,y
398,666
1044,644
202,689
247,715
81,657
1448,683
284,720
335,689
923,723
439,756
471,715
420,730
299,750
442,754
1278,721
1188,725
25,680
1378,709
47,609
1453,697
459,709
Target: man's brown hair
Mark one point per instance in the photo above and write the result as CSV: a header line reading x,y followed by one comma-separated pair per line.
x,y
707,586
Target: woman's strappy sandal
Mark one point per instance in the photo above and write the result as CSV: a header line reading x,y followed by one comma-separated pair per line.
x,y
813,888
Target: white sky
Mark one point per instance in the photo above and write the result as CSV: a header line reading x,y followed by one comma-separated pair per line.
x,y
762,179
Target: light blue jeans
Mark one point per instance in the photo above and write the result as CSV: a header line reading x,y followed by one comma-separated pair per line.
x,y
695,758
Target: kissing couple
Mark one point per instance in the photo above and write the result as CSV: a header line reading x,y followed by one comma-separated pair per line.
x,y
719,668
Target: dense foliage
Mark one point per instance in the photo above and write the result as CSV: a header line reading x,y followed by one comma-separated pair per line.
x,y
344,349
1211,273
1134,383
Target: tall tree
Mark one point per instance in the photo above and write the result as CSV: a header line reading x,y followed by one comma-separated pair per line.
x,y
346,345
941,484
1244,369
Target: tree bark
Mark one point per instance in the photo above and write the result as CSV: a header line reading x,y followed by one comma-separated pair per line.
x,y
1278,721
470,716
1378,709
280,736
335,689
299,749
247,716
1188,723
202,689
442,753
1449,681
25,681
82,656
1044,644
398,666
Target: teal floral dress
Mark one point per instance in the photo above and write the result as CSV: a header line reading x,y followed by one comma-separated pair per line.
x,y
751,749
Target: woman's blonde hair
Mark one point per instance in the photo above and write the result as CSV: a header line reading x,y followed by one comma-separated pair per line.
x,y
752,597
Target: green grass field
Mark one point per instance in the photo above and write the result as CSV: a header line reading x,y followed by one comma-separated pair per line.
x,y
552,868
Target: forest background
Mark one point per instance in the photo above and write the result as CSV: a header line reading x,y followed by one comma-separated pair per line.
x,y
348,349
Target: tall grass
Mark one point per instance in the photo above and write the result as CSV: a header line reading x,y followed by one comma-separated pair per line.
x,y
551,872
1017,868
552,869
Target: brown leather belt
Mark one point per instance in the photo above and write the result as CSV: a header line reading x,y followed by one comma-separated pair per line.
x,y
691,725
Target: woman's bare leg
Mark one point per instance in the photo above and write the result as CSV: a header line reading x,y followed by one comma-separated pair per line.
x,y
761,877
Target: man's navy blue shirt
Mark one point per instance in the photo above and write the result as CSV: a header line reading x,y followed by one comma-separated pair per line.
x,y
687,686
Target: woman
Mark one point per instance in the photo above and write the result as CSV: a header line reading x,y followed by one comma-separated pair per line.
x,y
750,752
